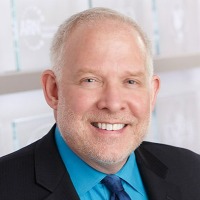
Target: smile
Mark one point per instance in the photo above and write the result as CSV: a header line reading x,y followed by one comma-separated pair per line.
x,y
108,126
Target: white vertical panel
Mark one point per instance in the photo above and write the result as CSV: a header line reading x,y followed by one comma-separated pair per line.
x,y
7,57
27,130
25,110
139,10
37,22
178,23
178,109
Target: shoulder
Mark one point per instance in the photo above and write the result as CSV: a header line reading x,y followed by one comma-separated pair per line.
x,y
17,175
173,156
15,172
181,166
17,164
157,147
28,152
24,171
21,154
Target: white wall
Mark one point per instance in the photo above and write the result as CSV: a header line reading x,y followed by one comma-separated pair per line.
x,y
28,27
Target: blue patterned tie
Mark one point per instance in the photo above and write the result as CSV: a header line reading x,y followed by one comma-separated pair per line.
x,y
113,183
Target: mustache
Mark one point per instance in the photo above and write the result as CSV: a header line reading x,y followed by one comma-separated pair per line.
x,y
125,117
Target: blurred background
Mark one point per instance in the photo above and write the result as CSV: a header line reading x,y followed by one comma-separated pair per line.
x,y
27,28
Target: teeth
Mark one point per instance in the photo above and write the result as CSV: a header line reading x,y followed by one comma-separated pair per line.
x,y
103,126
110,127
99,125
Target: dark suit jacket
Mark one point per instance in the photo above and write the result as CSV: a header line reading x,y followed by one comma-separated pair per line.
x,y
37,172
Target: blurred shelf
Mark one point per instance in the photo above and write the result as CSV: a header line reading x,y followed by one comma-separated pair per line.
x,y
25,81
164,64
19,82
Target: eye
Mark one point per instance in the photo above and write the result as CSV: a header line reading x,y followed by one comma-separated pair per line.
x,y
90,82
131,82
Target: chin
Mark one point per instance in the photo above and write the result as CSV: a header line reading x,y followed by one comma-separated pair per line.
x,y
105,158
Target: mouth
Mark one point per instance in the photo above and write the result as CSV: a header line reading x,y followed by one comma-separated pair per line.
x,y
109,126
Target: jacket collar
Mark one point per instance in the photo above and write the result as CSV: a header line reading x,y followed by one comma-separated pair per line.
x,y
154,175
50,170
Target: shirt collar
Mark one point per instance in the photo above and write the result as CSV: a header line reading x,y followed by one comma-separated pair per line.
x,y
84,177
130,174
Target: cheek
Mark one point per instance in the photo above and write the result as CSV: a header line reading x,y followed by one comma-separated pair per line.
x,y
140,105
80,101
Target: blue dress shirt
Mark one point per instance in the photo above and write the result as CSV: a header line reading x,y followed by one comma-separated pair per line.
x,y
87,180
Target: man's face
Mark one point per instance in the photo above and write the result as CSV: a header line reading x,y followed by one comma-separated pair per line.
x,y
104,96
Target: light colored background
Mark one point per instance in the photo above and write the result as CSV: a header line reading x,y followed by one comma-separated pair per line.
x,y
25,36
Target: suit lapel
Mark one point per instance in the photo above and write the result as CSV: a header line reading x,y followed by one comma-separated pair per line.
x,y
50,171
154,175
64,190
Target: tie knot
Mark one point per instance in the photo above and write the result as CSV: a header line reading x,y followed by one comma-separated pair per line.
x,y
113,183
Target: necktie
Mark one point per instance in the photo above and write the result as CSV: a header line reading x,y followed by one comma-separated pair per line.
x,y
113,183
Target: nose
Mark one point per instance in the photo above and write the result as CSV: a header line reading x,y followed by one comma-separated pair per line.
x,y
111,99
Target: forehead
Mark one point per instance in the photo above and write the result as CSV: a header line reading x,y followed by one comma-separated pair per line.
x,y
102,44
109,30
106,26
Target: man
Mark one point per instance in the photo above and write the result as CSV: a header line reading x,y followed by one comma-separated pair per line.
x,y
102,90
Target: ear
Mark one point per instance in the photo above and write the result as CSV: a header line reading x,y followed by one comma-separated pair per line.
x,y
154,90
50,88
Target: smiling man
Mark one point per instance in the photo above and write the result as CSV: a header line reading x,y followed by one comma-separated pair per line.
x,y
102,90
105,84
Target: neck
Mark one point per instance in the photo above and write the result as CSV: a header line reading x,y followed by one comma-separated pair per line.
x,y
107,168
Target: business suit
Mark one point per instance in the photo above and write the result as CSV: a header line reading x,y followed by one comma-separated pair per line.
x,y
37,172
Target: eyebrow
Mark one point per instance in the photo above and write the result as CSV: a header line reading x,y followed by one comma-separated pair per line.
x,y
88,71
135,73
138,73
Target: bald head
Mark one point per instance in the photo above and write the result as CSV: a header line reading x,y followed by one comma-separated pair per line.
x,y
95,18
